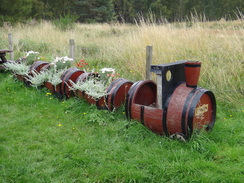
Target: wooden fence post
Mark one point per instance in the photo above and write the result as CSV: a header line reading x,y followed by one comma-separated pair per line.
x,y
72,48
10,41
149,50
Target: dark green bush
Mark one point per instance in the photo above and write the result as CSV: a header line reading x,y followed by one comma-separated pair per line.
x,y
66,22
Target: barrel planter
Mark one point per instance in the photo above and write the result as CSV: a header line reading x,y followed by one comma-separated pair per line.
x,y
1,67
53,89
70,74
23,79
38,65
82,78
79,94
100,103
45,67
117,92
186,110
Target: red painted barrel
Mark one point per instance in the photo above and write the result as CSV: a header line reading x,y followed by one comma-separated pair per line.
x,y
141,105
100,103
53,89
38,65
189,109
70,74
117,92
45,67
186,110
85,76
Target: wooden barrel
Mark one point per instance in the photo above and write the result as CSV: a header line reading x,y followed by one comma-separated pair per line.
x,y
186,109
100,103
38,65
117,92
143,93
45,67
189,109
141,105
70,74
84,76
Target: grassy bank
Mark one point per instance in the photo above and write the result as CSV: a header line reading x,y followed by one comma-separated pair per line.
x,y
47,140
219,45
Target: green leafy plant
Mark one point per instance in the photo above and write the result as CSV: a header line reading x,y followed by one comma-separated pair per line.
x,y
30,58
66,22
57,68
60,63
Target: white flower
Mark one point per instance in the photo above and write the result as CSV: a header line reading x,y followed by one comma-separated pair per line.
x,y
64,59
103,70
31,52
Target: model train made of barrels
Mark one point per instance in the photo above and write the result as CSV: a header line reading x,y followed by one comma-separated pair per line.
x,y
174,104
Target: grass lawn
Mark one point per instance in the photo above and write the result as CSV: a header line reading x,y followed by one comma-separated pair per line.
x,y
43,139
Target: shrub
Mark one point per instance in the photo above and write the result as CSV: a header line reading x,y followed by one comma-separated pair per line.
x,y
65,23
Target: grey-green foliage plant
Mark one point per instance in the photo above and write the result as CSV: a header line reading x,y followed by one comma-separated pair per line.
x,y
54,76
65,22
57,68
93,87
17,68
37,79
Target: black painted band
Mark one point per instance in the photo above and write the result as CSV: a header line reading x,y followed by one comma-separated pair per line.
x,y
67,78
191,111
110,88
142,114
165,109
129,97
192,65
183,117
192,86
115,91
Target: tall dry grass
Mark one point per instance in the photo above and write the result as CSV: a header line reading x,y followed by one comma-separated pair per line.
x,y
219,45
